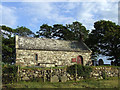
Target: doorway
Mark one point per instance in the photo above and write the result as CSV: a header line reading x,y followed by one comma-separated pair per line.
x,y
80,60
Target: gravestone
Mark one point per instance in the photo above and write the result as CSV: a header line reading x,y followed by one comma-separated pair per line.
x,y
93,62
54,78
112,62
63,78
101,62
25,78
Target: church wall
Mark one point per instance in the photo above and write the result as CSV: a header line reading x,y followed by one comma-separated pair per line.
x,y
49,58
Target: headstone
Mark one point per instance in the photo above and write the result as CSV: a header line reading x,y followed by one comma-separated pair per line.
x,y
63,78
93,62
112,62
54,78
101,62
25,78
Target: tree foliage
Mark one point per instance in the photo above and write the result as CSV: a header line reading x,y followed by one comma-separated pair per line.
x,y
8,41
74,31
62,32
105,39
45,31
23,31
8,49
79,31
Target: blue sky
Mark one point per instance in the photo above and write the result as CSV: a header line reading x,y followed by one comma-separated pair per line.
x,y
33,14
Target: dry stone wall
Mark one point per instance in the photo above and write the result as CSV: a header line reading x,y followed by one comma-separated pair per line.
x,y
109,71
60,75
49,58
52,75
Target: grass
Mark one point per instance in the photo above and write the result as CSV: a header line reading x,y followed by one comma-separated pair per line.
x,y
89,83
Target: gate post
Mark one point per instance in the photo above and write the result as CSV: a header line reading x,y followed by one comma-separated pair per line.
x,y
119,77
75,72
44,73
18,73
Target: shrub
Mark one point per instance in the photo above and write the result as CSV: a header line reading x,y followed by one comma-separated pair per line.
x,y
9,68
71,70
83,71
9,73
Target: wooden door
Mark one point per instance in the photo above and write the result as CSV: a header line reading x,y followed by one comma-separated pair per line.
x,y
79,60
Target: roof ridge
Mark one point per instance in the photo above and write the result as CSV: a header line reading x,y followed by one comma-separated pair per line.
x,y
45,38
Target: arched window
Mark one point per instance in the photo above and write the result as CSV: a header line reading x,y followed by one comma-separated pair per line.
x,y
80,60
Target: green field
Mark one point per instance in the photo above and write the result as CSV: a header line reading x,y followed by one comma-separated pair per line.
x,y
89,83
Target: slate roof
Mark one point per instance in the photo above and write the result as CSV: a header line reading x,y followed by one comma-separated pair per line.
x,y
49,44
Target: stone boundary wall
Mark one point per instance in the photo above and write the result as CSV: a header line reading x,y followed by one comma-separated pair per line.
x,y
109,71
52,75
60,75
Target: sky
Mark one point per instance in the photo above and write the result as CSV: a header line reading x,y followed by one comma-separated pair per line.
x,y
33,14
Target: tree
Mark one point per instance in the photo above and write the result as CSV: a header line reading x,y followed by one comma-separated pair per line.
x,y
58,31
8,49
105,39
7,31
8,45
74,31
79,31
45,31
8,41
61,32
23,31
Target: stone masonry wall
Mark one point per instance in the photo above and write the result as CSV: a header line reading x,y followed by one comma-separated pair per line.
x,y
47,74
56,75
49,58
109,71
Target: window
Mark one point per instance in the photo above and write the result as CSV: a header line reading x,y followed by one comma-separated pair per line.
x,y
36,57
73,59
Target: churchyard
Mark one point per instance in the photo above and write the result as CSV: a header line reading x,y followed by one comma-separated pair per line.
x,y
90,83
75,76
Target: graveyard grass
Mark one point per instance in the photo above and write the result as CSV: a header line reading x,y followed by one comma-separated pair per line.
x,y
89,83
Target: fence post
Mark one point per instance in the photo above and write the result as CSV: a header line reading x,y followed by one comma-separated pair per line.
x,y
18,74
50,74
44,75
75,72
118,77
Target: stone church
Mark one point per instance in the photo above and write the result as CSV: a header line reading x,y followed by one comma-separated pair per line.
x,y
46,52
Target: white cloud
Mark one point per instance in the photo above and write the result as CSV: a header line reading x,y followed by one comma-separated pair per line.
x,y
62,13
8,16
92,12
0,14
59,0
67,6
119,13
39,9
85,12
48,12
